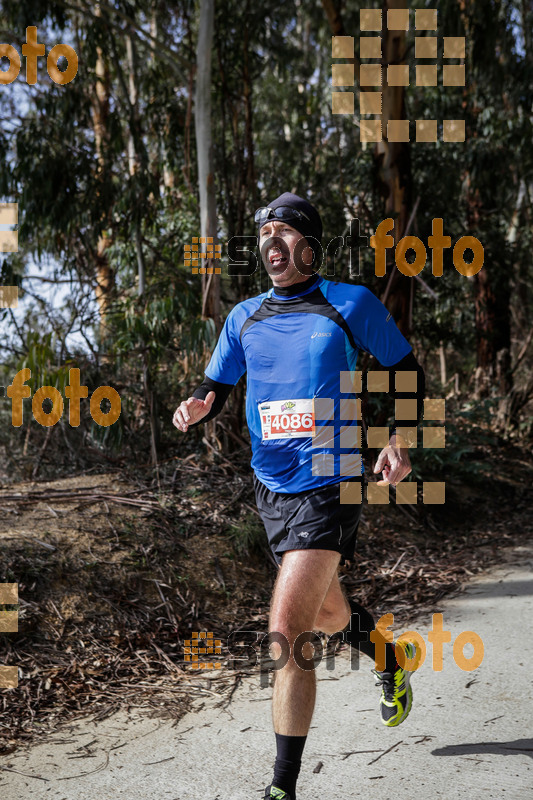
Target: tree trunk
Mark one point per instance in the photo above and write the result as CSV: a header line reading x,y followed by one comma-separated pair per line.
x,y
442,364
134,155
393,159
238,175
153,411
206,176
493,375
251,187
105,276
136,163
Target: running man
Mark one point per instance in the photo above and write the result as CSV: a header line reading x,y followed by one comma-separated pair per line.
x,y
298,344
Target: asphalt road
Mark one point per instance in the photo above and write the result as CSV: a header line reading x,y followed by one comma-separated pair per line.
x,y
469,734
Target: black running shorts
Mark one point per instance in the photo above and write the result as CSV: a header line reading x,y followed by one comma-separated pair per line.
x,y
308,520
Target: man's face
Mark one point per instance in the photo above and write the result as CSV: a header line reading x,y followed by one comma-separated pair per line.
x,y
277,241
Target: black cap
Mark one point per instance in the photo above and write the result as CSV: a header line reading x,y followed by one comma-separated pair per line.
x,y
307,227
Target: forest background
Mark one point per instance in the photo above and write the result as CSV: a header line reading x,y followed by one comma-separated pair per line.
x,y
183,118
106,173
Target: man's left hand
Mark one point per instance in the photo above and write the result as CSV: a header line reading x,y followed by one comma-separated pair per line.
x,y
394,461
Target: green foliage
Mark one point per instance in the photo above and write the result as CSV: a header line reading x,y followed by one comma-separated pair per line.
x,y
467,434
247,536
272,130
41,357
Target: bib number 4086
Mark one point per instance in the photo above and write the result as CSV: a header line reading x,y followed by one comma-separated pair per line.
x,y
292,422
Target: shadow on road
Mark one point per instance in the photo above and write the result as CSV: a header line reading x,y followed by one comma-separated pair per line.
x,y
497,748
504,588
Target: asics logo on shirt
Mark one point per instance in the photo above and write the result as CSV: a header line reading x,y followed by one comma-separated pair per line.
x,y
319,333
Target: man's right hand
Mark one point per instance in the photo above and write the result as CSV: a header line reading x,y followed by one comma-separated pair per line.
x,y
191,411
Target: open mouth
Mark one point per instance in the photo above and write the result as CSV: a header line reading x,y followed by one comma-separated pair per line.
x,y
276,258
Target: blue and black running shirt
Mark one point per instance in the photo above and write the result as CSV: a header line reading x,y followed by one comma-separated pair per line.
x,y
299,352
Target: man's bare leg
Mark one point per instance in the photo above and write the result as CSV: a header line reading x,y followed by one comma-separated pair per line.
x,y
306,586
335,612
305,579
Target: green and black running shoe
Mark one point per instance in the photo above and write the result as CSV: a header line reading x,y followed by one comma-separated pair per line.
x,y
273,793
397,695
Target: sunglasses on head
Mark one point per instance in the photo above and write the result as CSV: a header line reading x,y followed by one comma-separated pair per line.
x,y
284,213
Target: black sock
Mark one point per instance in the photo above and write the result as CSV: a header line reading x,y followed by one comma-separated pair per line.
x,y
357,634
289,751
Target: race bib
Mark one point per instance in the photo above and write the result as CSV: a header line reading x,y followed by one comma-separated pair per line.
x,y
285,419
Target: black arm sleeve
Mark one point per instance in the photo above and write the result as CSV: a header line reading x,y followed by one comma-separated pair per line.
x,y
222,392
408,363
